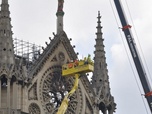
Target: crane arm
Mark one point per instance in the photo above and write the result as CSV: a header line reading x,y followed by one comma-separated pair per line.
x,y
136,58
74,69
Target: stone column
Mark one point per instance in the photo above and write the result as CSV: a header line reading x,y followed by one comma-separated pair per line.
x,y
24,99
8,95
18,96
59,24
95,110
110,111
14,96
0,93
105,112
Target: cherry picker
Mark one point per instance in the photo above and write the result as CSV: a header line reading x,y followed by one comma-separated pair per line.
x,y
74,69
136,58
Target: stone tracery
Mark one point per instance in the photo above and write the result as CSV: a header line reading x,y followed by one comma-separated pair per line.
x,y
53,89
34,109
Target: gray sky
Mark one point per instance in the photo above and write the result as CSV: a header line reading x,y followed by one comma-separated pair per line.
x,y
35,20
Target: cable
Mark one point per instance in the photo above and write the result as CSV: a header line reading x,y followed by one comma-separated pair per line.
x,y
129,59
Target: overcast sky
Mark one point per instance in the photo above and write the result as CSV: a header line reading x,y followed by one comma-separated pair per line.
x,y
35,20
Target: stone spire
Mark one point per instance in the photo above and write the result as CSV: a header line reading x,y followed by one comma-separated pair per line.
x,y
100,79
6,42
60,14
100,66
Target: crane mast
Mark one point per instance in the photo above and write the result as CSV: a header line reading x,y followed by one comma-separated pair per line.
x,y
136,57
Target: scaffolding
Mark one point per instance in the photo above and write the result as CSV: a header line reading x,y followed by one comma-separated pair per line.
x,y
26,50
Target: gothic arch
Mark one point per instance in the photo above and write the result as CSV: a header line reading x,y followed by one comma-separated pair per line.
x,y
13,79
102,107
3,79
3,72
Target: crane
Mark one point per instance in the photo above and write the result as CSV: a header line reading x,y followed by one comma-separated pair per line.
x,y
74,69
126,28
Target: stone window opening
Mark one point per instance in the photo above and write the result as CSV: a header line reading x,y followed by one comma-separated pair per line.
x,y
4,33
4,49
13,80
3,81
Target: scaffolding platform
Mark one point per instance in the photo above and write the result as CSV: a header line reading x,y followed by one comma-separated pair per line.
x,y
26,50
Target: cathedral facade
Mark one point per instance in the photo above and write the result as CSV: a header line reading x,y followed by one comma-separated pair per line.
x,y
37,86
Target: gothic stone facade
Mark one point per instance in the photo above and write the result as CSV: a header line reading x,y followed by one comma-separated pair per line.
x,y
41,88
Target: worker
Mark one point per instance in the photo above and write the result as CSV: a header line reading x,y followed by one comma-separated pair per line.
x,y
89,58
70,65
76,63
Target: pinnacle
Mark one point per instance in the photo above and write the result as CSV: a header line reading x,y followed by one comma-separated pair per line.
x,y
6,42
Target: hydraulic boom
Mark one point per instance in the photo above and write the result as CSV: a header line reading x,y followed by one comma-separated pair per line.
x,y
136,58
74,69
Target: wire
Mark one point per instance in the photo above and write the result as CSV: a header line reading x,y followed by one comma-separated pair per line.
x,y
129,59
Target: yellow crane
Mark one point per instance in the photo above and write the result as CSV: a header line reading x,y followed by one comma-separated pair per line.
x,y
74,69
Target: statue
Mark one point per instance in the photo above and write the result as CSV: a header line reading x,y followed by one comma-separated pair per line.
x,y
60,5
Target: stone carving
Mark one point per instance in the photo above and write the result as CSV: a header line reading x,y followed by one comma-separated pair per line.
x,y
61,56
34,109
